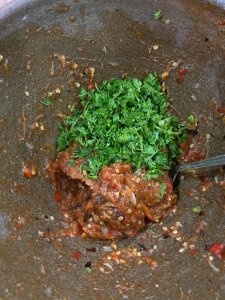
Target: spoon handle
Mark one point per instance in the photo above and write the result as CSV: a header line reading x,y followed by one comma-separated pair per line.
x,y
205,163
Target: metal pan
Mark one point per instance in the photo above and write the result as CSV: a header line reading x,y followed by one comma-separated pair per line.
x,y
116,38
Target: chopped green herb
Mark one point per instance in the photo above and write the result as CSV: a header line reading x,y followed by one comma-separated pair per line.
x,y
70,163
197,209
191,119
47,101
191,122
124,121
157,14
88,270
162,189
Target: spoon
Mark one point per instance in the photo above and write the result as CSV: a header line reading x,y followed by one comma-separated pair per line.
x,y
216,161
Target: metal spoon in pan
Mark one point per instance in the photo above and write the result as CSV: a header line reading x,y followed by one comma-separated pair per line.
x,y
216,161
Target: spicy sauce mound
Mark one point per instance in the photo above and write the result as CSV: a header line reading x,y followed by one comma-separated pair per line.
x,y
117,204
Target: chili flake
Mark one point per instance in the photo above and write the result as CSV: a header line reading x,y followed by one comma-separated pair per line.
x,y
57,196
77,255
218,249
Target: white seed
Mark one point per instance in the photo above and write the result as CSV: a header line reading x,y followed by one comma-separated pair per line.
x,y
181,250
133,199
62,60
104,49
211,258
77,84
117,194
74,66
107,249
27,93
42,269
120,218
155,47
122,261
164,228
108,266
92,70
197,85
175,64
114,246
58,91
1,57
193,97
167,21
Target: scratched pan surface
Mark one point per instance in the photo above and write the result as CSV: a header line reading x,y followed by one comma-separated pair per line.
x,y
30,266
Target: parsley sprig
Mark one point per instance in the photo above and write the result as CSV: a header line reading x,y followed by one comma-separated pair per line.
x,y
124,121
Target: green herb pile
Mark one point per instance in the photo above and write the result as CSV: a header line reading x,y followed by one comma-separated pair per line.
x,y
124,121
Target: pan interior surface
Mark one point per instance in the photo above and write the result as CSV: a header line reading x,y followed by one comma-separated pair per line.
x,y
117,38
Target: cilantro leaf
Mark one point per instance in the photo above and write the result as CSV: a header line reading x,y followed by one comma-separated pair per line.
x,y
197,209
70,163
157,14
124,120
162,189
88,270
47,101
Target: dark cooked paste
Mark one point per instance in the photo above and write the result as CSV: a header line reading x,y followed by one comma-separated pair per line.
x,y
118,204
